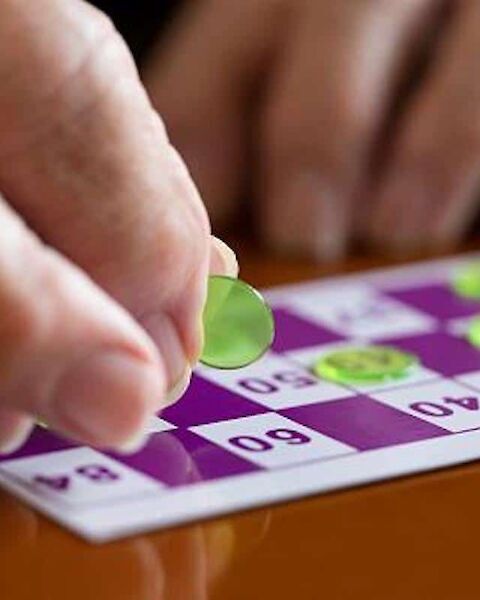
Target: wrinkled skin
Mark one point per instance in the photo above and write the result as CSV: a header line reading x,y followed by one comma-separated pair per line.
x,y
105,245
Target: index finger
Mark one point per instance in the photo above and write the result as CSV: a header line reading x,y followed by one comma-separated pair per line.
x,y
86,160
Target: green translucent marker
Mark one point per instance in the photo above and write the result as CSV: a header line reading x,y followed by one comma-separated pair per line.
x,y
238,324
467,282
367,365
473,333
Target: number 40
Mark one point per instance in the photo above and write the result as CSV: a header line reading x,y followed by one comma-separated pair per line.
x,y
432,409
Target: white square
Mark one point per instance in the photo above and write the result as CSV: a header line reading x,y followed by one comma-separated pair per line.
x,y
271,440
417,374
459,327
444,403
471,380
79,476
357,310
276,382
158,425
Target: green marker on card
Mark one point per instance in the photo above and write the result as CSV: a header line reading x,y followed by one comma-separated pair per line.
x,y
238,324
473,333
467,281
365,365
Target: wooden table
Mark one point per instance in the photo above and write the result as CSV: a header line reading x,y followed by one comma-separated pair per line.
x,y
411,538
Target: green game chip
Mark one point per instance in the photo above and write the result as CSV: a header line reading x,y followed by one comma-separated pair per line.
x,y
467,281
370,364
473,333
238,324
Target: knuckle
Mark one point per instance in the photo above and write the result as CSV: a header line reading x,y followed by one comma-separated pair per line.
x,y
56,64
184,188
280,135
98,22
19,327
183,229
180,262
439,156
288,139
29,284
20,304
187,242
467,139
104,51
387,6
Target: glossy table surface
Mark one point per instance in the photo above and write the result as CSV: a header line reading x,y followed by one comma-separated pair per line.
x,y
410,538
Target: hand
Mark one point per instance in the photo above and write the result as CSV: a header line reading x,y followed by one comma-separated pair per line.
x,y
104,243
367,116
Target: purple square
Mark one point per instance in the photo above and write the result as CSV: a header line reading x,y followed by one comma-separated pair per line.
x,y
181,457
363,423
206,402
40,442
441,352
438,301
163,458
212,461
295,332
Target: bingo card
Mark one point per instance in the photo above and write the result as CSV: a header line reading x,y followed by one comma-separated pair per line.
x,y
273,431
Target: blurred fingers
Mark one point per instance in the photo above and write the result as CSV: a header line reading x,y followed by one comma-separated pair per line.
x,y
326,106
430,189
202,80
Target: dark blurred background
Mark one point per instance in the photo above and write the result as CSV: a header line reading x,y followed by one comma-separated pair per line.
x,y
139,21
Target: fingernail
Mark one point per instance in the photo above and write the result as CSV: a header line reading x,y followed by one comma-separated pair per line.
x,y
106,399
164,333
222,259
179,388
16,440
133,444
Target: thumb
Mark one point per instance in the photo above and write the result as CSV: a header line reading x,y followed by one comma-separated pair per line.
x,y
222,259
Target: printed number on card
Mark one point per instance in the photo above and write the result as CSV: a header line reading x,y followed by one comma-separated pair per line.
x,y
447,407
94,473
252,443
277,381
